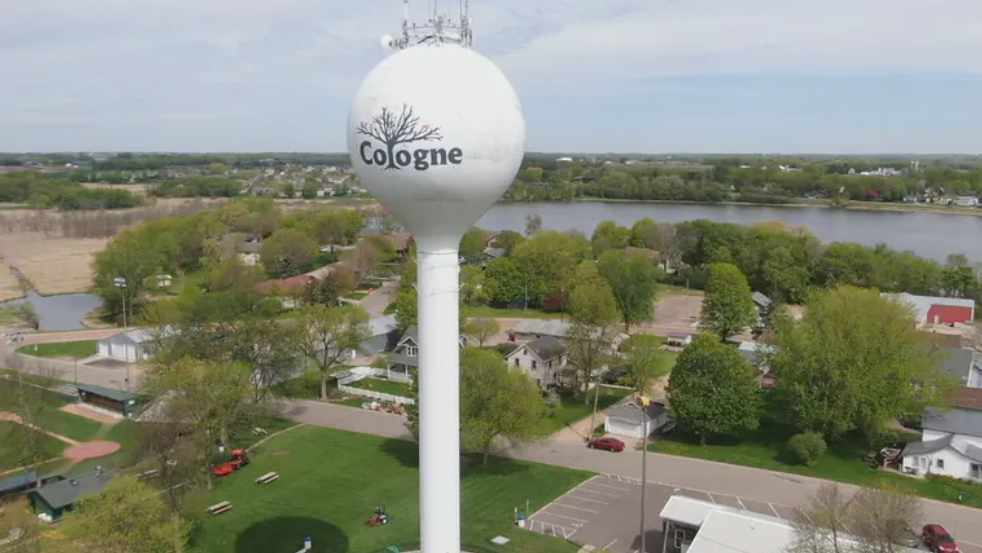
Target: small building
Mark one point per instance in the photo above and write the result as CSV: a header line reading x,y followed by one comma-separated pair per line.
x,y
967,201
164,281
937,310
384,335
532,329
763,304
18,485
405,356
131,346
627,419
52,501
117,403
951,445
544,359
965,364
678,339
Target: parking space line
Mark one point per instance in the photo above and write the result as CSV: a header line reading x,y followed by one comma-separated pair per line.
x,y
612,542
742,506
599,493
711,498
565,506
564,516
586,499
775,511
611,487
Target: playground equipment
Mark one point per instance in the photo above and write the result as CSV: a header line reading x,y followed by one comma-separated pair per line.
x,y
238,459
378,517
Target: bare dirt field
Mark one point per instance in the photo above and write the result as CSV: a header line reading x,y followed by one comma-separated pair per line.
x,y
138,189
676,311
54,265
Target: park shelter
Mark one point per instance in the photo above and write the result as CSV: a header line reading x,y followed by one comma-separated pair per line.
x,y
52,501
117,402
19,484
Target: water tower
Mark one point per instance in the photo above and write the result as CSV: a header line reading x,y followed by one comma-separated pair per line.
x,y
436,133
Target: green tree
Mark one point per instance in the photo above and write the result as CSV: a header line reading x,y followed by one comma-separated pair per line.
x,y
712,390
309,191
547,259
643,359
633,281
472,244
958,277
608,235
533,224
327,290
646,233
327,334
472,285
497,402
482,330
504,281
787,280
729,306
407,303
854,362
126,516
592,331
508,240
287,253
133,256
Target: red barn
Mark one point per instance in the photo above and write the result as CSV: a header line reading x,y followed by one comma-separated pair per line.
x,y
932,310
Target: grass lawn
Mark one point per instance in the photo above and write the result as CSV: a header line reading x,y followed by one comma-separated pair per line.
x,y
51,418
10,452
383,386
72,350
843,462
353,401
123,433
495,313
573,409
331,481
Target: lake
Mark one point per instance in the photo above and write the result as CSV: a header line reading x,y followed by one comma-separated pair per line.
x,y
932,235
62,312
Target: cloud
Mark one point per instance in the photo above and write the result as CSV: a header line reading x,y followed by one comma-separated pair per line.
x,y
132,60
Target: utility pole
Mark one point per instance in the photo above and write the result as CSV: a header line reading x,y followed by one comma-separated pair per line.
x,y
644,465
75,364
120,282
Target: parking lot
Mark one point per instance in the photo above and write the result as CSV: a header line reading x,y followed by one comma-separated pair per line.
x,y
604,512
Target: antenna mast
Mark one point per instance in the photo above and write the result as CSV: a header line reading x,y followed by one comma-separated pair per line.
x,y
439,28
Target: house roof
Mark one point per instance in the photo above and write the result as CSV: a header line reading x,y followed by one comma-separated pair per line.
x,y
968,398
631,413
678,334
545,327
412,333
400,242
64,493
289,285
382,325
967,422
118,395
761,299
141,335
923,304
653,255
957,362
20,480
971,451
545,348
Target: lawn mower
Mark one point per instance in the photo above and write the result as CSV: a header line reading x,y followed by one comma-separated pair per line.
x,y
379,517
238,459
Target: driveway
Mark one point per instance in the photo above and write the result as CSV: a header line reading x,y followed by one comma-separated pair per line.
x,y
375,303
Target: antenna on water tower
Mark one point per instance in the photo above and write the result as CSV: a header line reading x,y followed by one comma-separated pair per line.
x,y
439,28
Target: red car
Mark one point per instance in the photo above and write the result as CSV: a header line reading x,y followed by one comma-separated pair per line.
x,y
608,444
937,539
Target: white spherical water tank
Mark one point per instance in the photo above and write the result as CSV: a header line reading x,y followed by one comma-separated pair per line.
x,y
436,132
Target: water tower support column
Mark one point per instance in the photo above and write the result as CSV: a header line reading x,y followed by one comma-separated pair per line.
x,y
437,285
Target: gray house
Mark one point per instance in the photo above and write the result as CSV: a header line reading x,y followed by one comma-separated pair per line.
x,y
627,419
405,356
964,364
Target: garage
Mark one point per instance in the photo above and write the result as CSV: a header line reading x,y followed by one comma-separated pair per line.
x,y
627,419
129,346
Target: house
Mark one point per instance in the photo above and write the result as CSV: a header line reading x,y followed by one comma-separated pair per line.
x,y
965,364
18,485
678,339
968,398
627,419
246,246
544,359
935,310
384,335
967,201
164,281
115,403
763,304
951,445
400,242
52,501
131,346
405,356
692,525
290,286
754,353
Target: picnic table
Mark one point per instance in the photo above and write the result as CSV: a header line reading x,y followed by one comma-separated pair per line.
x,y
219,508
268,477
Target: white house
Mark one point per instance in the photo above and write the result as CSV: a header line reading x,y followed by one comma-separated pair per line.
x,y
131,346
405,356
967,201
627,419
544,359
678,339
951,445
532,329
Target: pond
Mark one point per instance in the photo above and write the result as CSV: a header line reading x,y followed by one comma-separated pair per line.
x,y
62,312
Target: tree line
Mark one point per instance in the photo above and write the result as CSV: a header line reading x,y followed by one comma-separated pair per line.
x,y
42,191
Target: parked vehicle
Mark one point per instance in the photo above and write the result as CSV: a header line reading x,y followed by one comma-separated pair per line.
x,y
606,444
938,540
238,459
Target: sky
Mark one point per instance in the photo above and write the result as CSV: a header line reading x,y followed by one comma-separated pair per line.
x,y
645,76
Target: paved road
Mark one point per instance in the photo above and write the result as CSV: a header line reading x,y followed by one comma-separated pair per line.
x,y
716,478
375,303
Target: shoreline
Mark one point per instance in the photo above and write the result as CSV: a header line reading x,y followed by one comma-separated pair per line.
x,y
853,206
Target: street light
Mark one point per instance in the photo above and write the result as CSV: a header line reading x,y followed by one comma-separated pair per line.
x,y
120,282
644,462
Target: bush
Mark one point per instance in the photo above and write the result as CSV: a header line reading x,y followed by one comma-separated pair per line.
x,y
806,448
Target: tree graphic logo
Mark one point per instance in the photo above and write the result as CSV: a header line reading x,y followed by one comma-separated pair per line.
x,y
392,130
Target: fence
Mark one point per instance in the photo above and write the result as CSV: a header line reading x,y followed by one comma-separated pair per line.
x,y
376,395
